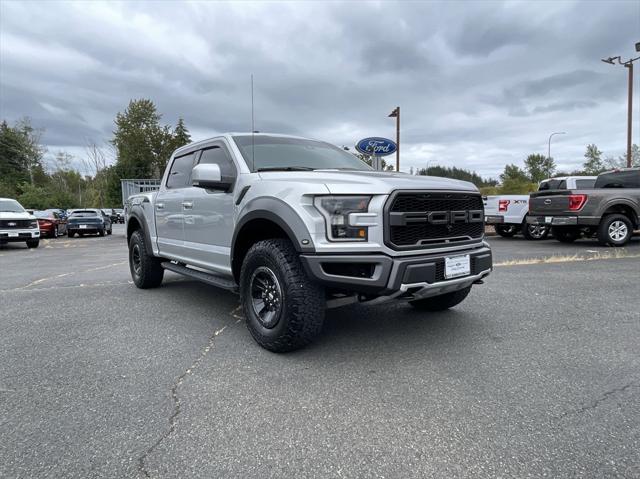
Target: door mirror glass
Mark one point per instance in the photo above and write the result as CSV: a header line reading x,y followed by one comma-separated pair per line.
x,y
209,176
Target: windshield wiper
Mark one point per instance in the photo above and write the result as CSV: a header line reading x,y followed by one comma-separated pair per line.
x,y
287,168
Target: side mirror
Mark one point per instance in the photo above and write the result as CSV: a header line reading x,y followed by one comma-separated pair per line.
x,y
209,176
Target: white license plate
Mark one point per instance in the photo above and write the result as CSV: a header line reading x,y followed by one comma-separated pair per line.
x,y
548,219
13,235
84,227
456,266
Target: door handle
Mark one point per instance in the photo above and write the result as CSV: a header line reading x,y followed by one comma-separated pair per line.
x,y
160,206
187,205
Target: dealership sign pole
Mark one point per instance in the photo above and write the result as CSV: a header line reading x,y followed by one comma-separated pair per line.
x,y
396,114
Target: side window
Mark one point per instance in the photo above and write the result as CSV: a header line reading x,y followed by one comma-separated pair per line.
x,y
619,179
180,172
218,155
585,184
562,185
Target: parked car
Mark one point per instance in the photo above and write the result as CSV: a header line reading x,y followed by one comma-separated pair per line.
x,y
609,211
508,213
119,215
50,223
89,221
16,224
111,213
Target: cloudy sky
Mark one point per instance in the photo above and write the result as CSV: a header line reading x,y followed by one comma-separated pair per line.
x,y
480,84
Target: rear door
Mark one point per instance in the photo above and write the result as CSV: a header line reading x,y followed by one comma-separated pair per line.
x,y
208,215
169,209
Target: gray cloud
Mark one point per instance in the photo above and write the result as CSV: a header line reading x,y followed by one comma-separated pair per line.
x,y
480,84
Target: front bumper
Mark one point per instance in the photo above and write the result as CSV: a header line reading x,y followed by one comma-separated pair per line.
x,y
384,276
19,234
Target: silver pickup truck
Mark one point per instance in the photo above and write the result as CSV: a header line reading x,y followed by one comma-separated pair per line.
x,y
610,210
297,225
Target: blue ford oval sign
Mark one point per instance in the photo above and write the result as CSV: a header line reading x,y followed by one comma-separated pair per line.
x,y
376,146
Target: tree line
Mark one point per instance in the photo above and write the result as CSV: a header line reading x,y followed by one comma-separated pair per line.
x,y
140,145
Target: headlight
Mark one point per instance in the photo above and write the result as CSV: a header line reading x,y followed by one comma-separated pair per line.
x,y
336,210
33,224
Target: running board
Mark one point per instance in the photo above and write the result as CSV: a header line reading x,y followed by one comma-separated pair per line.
x,y
208,278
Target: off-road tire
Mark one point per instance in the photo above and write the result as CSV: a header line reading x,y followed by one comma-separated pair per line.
x,y
506,231
146,270
531,235
33,243
442,302
302,304
565,234
607,224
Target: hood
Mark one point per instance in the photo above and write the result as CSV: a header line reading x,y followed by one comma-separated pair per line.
x,y
6,215
369,182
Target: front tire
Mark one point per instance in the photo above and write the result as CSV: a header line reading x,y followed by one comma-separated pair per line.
x,y
146,270
442,302
283,308
506,231
33,243
614,230
101,232
109,231
565,234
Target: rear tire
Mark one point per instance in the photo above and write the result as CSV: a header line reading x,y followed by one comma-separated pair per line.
x,y
55,232
535,232
146,270
109,231
615,230
442,302
506,231
565,234
70,234
284,309
33,243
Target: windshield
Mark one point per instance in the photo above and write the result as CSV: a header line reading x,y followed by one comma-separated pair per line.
x,y
11,206
42,214
84,214
272,152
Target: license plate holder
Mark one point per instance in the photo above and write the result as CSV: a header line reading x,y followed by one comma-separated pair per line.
x,y
13,235
548,219
457,266
84,227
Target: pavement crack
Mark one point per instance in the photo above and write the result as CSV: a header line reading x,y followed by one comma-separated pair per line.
x,y
175,397
604,397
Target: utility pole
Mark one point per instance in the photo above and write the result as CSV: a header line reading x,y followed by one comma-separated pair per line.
x,y
629,65
396,114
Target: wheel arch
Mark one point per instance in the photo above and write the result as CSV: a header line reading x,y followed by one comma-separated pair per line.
x,y
624,208
136,222
273,219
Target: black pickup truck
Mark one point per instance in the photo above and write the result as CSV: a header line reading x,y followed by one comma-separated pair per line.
x,y
610,211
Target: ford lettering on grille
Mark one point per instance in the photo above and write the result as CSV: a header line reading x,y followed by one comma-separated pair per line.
x,y
428,219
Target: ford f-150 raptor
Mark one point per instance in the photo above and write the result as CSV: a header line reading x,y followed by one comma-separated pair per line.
x,y
297,225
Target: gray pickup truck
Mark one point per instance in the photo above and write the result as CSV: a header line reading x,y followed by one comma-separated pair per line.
x,y
610,210
297,225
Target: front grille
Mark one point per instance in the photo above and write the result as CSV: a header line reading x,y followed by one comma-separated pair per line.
x,y
14,224
409,224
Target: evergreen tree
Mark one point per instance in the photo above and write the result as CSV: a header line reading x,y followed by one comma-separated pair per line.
x,y
593,164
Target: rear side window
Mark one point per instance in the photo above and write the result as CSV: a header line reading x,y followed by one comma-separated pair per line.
x,y
553,185
619,179
585,184
180,172
218,155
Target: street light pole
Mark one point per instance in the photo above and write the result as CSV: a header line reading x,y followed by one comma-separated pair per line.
x,y
549,149
396,114
627,64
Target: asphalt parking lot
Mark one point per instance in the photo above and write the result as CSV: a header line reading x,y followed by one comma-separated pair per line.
x,y
536,374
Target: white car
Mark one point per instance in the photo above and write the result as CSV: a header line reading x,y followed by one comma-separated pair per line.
x,y
17,225
508,213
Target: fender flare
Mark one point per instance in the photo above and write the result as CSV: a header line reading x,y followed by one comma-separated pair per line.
x,y
138,214
283,215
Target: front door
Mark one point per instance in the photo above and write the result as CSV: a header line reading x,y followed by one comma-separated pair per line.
x,y
169,208
208,216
